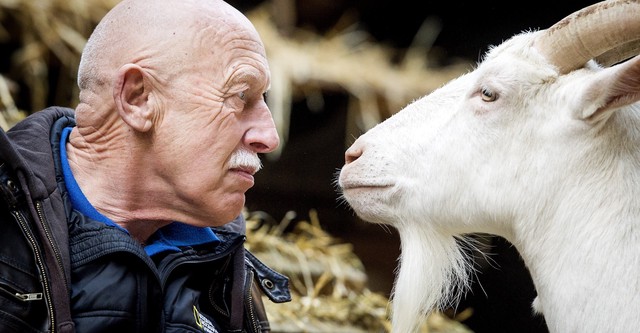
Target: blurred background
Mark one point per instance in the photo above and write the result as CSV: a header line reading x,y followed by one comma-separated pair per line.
x,y
338,68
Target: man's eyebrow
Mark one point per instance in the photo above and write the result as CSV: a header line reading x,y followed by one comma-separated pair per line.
x,y
247,77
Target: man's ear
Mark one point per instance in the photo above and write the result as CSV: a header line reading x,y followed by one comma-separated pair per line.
x,y
131,94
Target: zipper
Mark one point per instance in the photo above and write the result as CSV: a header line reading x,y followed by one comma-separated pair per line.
x,y
212,300
249,298
40,263
217,307
56,251
25,297
28,297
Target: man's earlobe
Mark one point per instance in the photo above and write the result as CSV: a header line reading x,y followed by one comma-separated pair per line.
x,y
131,95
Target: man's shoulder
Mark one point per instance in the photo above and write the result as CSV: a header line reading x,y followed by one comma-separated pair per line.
x,y
34,133
41,121
29,148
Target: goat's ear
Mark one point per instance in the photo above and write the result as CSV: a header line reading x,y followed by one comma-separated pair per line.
x,y
610,89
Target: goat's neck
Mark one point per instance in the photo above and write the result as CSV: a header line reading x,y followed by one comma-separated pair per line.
x,y
585,267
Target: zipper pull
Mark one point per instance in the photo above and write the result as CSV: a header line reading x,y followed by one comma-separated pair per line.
x,y
29,296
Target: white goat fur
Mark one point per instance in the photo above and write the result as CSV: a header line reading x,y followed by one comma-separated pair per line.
x,y
552,165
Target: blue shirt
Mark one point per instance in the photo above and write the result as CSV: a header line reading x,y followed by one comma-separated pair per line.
x,y
167,238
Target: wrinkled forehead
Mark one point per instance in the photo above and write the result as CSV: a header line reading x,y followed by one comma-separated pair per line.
x,y
208,37
144,28
233,47
216,34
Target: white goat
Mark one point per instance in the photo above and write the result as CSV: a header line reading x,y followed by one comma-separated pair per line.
x,y
540,144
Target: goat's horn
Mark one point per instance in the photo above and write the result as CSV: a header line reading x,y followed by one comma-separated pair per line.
x,y
623,52
591,32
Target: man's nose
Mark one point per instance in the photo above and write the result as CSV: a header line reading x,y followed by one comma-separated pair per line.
x,y
263,136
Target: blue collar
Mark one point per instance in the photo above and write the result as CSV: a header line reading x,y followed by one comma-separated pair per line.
x,y
168,238
171,237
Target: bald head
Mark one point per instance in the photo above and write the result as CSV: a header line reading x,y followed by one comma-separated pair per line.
x,y
156,34
171,99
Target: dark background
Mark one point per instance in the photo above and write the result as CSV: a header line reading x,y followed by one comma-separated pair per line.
x,y
303,178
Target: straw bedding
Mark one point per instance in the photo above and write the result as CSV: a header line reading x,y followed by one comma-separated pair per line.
x,y
328,281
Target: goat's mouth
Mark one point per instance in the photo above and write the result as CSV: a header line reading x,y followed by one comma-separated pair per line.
x,y
373,202
350,179
356,185
360,188
366,193
369,190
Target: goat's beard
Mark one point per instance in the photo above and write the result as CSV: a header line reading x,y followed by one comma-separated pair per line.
x,y
433,274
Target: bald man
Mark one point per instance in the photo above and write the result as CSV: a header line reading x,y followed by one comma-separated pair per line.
x,y
124,215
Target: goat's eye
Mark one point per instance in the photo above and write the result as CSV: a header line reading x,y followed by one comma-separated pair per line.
x,y
488,95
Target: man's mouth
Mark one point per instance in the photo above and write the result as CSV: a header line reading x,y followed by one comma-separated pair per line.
x,y
245,169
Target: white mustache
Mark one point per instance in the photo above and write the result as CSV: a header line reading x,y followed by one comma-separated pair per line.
x,y
245,160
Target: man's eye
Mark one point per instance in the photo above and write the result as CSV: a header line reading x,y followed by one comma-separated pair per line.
x,y
242,95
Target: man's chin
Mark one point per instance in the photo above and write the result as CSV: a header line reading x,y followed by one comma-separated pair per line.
x,y
226,211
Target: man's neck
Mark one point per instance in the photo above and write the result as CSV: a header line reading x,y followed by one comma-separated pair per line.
x,y
119,194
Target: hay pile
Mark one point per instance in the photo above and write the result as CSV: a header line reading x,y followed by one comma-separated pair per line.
x,y
42,41
328,282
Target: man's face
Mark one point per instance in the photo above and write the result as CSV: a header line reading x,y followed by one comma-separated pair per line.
x,y
214,123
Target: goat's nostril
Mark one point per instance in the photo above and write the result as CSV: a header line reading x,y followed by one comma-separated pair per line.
x,y
352,154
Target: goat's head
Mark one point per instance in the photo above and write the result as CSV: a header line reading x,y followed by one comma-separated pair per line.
x,y
496,147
